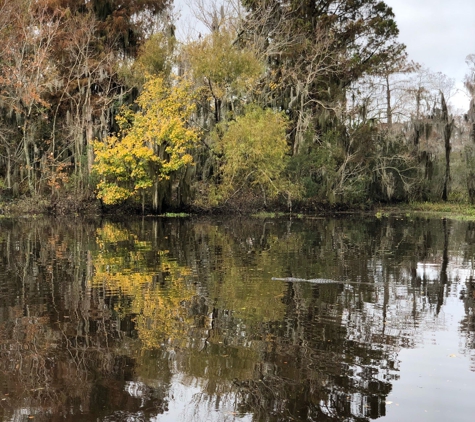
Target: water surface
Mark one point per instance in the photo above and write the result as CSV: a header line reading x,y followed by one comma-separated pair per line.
x,y
180,320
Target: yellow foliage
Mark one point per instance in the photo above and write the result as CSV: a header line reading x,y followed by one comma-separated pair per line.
x,y
153,142
161,315
255,153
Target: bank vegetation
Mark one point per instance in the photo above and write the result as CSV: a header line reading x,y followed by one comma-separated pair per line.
x,y
276,105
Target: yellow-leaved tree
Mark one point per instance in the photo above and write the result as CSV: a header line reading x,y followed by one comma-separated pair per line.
x,y
255,154
152,144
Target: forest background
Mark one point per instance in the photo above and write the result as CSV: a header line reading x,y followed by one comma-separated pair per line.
x,y
282,105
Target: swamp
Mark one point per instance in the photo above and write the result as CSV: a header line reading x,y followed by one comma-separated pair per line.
x,y
179,319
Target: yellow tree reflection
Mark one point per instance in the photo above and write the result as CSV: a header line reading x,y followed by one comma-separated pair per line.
x,y
146,283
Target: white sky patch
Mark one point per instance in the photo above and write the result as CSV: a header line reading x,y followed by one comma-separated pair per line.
x,y
440,35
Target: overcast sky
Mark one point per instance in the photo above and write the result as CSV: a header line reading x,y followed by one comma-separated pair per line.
x,y
439,34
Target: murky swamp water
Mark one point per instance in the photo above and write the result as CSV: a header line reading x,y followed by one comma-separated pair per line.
x,y
180,320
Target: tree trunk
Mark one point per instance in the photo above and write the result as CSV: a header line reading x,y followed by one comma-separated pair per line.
x,y
155,200
448,127
389,116
29,167
9,169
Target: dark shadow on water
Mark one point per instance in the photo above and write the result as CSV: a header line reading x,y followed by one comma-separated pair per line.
x,y
179,319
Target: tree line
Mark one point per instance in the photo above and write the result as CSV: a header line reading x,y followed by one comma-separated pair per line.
x,y
277,104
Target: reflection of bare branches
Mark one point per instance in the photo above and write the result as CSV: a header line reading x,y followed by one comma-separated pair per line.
x,y
322,353
52,344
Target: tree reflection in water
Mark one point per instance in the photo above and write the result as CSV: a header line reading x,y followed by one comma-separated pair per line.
x,y
132,320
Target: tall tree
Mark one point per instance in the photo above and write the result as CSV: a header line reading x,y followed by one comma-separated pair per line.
x,y
27,76
124,24
448,123
329,43
470,119
60,82
470,86
315,50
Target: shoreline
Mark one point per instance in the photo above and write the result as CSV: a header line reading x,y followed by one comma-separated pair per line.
x,y
86,208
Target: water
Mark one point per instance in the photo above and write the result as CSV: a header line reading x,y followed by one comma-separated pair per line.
x,y
180,320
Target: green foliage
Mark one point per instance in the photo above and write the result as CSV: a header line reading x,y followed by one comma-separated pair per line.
x,y
453,210
224,72
154,55
152,144
68,66
316,168
333,171
222,63
255,149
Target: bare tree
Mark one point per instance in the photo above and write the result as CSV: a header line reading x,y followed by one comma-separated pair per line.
x,y
28,75
216,14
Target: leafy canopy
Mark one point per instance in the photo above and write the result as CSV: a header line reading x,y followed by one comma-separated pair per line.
x,y
255,153
153,142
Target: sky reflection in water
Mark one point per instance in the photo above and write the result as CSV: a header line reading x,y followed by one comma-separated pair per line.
x,y
179,320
